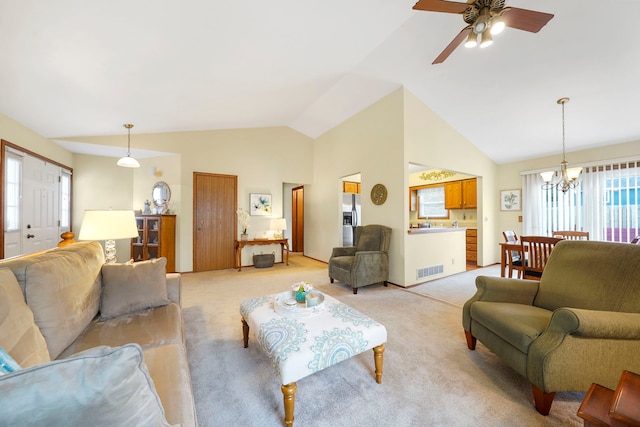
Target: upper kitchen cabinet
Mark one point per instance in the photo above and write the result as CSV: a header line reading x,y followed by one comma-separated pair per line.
x,y
350,187
460,194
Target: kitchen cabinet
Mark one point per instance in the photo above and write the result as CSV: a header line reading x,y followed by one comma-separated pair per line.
x,y
350,187
156,238
413,200
472,245
460,194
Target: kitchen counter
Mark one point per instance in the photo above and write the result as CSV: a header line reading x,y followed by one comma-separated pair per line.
x,y
429,230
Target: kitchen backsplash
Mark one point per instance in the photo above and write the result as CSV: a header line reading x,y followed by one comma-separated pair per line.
x,y
465,218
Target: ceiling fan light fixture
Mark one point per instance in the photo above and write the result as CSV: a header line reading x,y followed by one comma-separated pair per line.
x,y
472,40
497,25
487,40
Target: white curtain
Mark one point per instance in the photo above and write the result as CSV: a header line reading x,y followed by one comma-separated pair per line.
x,y
605,203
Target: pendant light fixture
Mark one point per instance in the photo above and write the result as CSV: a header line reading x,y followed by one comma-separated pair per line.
x,y
128,161
568,176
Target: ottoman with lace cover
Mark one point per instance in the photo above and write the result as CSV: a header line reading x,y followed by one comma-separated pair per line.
x,y
301,346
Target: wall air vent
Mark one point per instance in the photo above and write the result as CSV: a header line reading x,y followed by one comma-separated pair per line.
x,y
421,273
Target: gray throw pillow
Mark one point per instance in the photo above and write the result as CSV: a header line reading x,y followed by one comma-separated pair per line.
x,y
128,288
100,387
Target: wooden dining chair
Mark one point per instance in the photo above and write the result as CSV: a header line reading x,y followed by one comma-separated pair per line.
x,y
571,235
538,248
515,257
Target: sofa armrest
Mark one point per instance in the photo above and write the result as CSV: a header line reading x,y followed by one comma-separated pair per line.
x,y
503,289
174,287
374,263
343,251
576,338
500,289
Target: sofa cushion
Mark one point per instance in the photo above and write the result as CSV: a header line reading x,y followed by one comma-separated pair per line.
x,y
133,287
148,328
101,387
368,242
7,363
517,324
172,385
19,335
62,289
591,275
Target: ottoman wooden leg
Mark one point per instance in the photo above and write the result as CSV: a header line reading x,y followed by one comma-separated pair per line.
x,y
245,333
289,396
378,353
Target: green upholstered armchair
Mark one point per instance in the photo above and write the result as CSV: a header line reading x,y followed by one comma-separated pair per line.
x,y
365,263
579,325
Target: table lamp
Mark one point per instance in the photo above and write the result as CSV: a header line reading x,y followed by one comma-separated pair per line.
x,y
108,226
278,224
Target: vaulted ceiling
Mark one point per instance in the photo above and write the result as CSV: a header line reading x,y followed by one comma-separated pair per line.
x,y
81,68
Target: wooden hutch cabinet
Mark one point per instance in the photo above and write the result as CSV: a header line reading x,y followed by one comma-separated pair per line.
x,y
156,238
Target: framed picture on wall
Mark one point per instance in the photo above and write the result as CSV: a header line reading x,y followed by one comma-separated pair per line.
x,y
510,200
260,204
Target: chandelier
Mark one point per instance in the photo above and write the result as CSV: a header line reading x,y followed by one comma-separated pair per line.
x,y
568,176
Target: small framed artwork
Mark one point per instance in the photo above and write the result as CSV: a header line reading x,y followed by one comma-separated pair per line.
x,y
510,200
260,204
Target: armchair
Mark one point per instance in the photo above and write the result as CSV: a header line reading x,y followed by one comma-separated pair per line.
x,y
367,262
580,324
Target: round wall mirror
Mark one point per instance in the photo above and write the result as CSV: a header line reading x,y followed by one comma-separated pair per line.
x,y
161,193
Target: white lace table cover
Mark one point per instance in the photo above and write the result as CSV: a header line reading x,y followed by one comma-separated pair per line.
x,y
300,346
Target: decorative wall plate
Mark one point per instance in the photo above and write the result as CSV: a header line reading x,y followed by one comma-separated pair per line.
x,y
379,194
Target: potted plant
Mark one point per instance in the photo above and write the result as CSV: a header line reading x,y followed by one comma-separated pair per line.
x,y
243,222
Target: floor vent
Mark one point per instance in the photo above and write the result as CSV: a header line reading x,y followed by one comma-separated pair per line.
x,y
429,271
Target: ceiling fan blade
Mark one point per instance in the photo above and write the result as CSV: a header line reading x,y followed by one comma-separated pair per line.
x,y
441,6
524,19
462,35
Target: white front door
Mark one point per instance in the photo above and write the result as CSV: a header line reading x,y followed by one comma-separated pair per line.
x,y
40,205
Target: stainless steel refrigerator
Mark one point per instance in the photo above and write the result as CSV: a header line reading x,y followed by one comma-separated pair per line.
x,y
350,217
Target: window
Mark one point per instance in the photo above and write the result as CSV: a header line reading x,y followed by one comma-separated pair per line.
x,y
431,202
605,204
65,200
13,178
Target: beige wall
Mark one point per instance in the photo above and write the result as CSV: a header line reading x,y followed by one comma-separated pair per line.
x,y
100,184
17,134
262,159
369,143
378,142
431,141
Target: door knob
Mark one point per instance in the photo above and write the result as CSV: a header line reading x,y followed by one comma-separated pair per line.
x,y
30,236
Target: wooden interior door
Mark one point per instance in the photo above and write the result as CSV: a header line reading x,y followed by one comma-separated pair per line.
x,y
214,221
297,219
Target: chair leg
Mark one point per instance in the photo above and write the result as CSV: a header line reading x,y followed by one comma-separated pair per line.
x,y
471,340
355,291
542,400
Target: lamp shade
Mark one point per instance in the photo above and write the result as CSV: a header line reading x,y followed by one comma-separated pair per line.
x,y
547,176
108,225
128,162
278,224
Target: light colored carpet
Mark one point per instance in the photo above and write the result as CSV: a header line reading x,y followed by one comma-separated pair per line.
x,y
430,377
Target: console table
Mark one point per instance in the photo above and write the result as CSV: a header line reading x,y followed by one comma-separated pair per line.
x,y
240,244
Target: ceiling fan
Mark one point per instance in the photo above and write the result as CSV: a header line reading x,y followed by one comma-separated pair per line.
x,y
485,18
